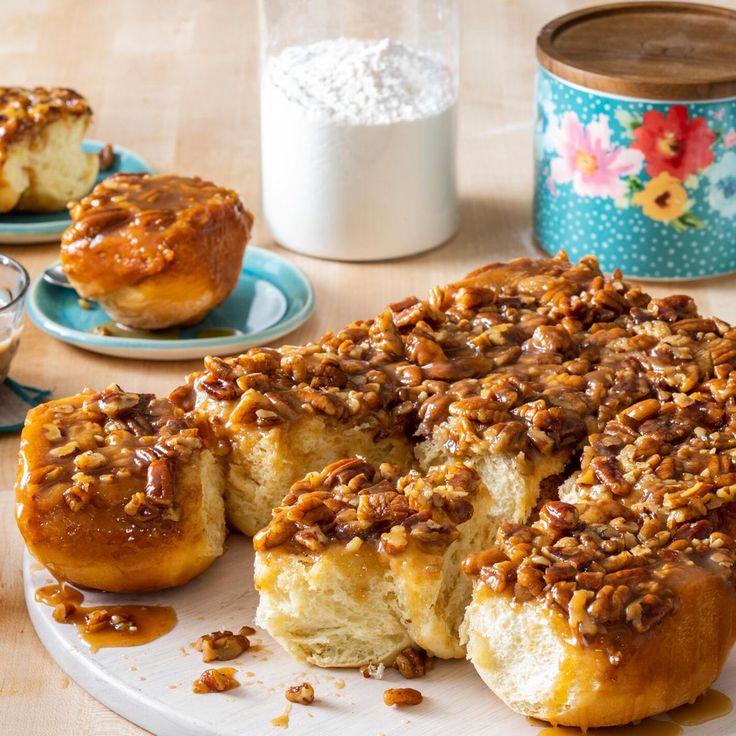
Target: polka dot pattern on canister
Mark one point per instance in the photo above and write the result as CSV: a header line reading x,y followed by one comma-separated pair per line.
x,y
646,186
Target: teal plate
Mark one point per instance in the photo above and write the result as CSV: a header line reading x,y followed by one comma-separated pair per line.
x,y
273,297
28,227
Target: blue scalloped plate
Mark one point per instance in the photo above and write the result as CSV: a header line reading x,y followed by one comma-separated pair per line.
x,y
23,228
273,297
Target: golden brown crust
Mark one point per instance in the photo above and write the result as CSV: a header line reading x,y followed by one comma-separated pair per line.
x,y
351,499
25,112
172,237
107,488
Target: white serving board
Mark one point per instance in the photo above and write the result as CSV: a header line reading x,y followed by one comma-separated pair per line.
x,y
151,685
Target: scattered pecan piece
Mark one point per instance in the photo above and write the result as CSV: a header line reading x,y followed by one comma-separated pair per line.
x,y
216,681
106,156
413,663
302,694
402,696
373,671
223,645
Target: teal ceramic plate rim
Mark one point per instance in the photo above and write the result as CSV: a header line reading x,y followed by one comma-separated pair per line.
x,y
259,263
131,162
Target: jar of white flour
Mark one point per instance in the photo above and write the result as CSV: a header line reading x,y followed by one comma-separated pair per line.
x,y
358,118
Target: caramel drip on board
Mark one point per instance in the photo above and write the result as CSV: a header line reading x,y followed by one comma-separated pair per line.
x,y
648,727
283,720
710,705
147,622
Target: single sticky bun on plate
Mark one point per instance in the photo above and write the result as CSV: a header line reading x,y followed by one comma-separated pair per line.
x,y
156,251
116,492
42,165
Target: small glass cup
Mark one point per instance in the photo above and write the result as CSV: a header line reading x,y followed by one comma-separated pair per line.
x,y
14,281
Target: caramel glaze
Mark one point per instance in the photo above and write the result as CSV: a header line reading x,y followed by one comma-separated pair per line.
x,y
282,721
134,226
649,727
146,623
710,705
114,329
107,483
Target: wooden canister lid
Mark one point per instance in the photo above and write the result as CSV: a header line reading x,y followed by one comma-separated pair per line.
x,y
647,50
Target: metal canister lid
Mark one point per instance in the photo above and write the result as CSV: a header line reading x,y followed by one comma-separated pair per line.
x,y
647,50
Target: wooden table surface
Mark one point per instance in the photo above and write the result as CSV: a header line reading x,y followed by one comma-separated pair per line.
x,y
176,80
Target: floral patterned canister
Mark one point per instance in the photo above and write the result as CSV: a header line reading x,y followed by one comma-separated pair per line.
x,y
636,142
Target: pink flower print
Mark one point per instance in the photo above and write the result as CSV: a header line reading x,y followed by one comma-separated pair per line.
x,y
718,115
730,139
588,160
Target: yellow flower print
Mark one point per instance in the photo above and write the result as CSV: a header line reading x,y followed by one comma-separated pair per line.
x,y
663,198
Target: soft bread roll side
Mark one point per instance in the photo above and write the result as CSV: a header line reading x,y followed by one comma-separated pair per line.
x,y
46,172
523,652
335,609
350,602
513,481
264,463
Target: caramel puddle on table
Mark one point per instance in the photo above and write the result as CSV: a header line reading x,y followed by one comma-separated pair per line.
x,y
645,728
150,622
710,705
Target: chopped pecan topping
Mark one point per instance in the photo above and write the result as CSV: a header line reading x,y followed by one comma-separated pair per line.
x,y
25,112
62,611
116,448
159,483
532,365
607,565
352,499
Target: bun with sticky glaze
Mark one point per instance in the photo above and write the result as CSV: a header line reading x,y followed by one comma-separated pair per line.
x,y
116,492
156,251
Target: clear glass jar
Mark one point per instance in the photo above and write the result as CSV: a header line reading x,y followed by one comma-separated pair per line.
x,y
13,287
358,121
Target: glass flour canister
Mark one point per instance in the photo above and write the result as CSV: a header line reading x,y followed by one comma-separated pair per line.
x,y
358,116
635,149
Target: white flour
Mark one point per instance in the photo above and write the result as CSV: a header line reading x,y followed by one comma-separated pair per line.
x,y
357,149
